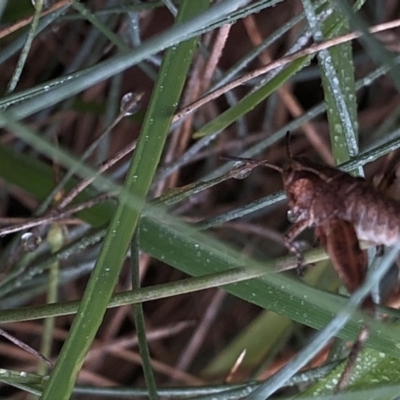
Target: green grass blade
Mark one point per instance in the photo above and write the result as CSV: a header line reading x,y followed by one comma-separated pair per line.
x,y
337,74
140,323
252,100
373,367
109,263
38,5
378,53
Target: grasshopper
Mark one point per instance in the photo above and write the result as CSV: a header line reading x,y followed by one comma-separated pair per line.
x,y
343,209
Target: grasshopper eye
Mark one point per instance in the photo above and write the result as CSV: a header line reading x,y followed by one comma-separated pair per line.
x,y
292,216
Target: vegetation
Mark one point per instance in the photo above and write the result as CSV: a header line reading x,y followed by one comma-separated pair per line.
x,y
149,277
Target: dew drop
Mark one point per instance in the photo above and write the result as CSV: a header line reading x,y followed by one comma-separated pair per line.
x,y
30,242
131,103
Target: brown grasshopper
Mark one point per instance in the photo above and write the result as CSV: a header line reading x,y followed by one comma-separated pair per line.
x,y
343,209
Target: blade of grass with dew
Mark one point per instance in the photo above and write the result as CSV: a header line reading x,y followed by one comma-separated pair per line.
x,y
337,74
374,370
166,94
32,383
378,53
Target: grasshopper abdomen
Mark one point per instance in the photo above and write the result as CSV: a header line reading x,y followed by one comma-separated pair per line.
x,y
375,216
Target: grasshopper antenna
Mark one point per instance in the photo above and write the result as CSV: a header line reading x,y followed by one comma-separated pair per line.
x,y
287,145
255,163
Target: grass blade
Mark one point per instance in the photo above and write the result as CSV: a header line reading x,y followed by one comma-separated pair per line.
x,y
109,263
